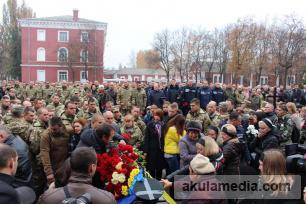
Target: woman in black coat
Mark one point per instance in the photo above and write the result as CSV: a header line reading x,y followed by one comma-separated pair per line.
x,y
153,145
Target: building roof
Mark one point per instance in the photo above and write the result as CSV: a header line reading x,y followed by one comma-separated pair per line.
x,y
136,71
66,18
62,22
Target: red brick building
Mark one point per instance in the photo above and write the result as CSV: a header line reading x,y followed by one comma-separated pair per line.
x,y
62,48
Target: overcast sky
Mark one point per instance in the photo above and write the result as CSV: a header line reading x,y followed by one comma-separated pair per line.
x,y
133,23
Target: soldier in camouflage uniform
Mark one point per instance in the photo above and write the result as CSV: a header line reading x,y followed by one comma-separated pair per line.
x,y
18,126
197,114
117,116
124,98
30,91
5,105
139,97
284,125
213,114
103,97
137,119
136,137
92,109
239,96
39,126
56,105
69,115
47,93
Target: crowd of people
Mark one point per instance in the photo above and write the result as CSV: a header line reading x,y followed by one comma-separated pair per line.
x,y
182,128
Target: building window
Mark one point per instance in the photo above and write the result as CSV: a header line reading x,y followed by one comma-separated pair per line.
x,y
83,77
84,37
41,54
63,36
290,79
41,35
216,78
62,54
263,80
62,75
241,79
84,56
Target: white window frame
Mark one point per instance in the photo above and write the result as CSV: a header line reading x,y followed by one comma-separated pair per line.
x,y
81,58
58,35
39,70
43,58
218,78
58,74
264,80
41,37
58,53
81,37
81,72
241,79
292,81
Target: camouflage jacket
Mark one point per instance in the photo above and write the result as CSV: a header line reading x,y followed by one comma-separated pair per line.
x,y
124,98
285,126
201,117
88,115
7,118
20,127
67,121
215,119
239,97
135,133
38,128
139,98
142,126
57,108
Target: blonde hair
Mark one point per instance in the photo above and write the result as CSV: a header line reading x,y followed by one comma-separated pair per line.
x,y
211,147
129,117
291,107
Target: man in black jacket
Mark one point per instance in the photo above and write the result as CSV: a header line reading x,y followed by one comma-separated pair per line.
x,y
8,167
172,92
217,94
188,93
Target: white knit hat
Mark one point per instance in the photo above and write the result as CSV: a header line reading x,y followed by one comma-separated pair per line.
x,y
201,165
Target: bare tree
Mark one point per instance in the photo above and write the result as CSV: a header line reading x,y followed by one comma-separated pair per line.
x,y
289,43
162,43
261,50
222,51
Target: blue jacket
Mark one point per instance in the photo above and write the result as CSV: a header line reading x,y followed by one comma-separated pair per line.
x,y
204,94
188,93
24,168
218,95
156,98
172,93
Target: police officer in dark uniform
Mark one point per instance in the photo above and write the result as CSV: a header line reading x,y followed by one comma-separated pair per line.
x,y
188,93
218,95
204,94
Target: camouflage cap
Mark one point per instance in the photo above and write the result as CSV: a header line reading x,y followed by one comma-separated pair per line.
x,y
17,109
116,109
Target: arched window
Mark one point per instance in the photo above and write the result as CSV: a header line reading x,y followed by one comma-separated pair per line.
x,y
41,54
62,54
84,56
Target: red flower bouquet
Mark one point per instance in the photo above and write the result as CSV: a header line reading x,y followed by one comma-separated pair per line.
x,y
115,169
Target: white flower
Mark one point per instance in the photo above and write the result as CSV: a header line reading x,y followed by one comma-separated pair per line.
x,y
116,178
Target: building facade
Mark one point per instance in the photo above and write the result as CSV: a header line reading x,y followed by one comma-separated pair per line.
x,y
62,48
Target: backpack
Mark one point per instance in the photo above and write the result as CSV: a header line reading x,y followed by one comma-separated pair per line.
x,y
84,199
